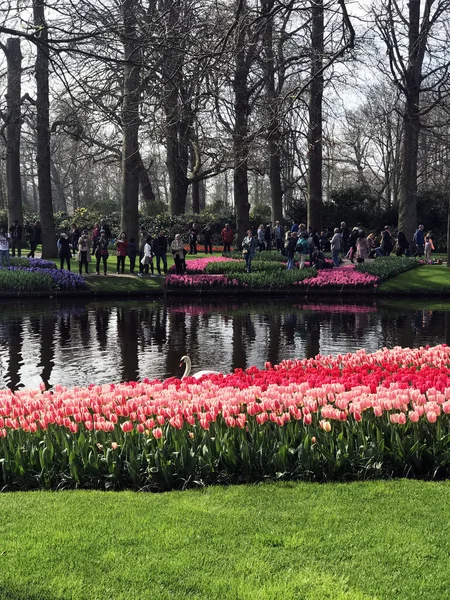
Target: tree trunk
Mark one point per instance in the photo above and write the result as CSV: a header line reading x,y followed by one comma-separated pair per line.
x,y
407,209
60,199
240,135
13,128
417,39
448,235
315,203
273,128
43,132
130,122
145,183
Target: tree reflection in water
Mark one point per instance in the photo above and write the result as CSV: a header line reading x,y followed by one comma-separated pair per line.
x,y
77,342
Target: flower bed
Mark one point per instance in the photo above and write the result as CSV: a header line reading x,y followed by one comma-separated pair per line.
x,y
357,416
38,275
198,265
341,276
200,281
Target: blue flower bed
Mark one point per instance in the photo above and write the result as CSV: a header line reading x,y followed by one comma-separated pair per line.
x,y
40,275
41,263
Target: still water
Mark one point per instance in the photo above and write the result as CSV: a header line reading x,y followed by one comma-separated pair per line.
x,y
78,343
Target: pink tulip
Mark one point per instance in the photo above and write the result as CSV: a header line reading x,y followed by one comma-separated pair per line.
x,y
157,433
431,417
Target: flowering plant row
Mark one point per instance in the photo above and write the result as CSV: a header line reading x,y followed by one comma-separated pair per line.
x,y
341,276
198,265
200,281
35,274
350,417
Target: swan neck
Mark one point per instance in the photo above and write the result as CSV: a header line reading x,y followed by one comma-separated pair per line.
x,y
187,368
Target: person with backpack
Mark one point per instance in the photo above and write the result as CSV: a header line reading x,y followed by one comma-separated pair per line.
x,y
386,241
303,248
290,246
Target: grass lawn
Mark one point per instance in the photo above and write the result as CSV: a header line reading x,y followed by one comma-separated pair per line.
x,y
377,540
427,279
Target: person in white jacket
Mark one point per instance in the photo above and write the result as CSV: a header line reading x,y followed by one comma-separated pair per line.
x,y
4,248
147,259
336,244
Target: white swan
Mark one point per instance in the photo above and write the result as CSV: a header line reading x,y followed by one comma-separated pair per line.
x,y
187,371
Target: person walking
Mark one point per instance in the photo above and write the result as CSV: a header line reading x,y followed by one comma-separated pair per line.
x,y
362,247
419,239
74,237
101,252
177,249
147,259
260,236
207,239
249,245
15,232
65,252
4,248
402,245
268,237
386,241
278,236
142,238
344,238
35,238
121,252
132,253
84,252
160,250
193,235
336,246
290,247
303,247
227,236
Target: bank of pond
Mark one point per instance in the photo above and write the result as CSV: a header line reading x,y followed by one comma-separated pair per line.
x,y
228,273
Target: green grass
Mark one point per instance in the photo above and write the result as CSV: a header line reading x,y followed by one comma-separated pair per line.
x,y
359,541
429,279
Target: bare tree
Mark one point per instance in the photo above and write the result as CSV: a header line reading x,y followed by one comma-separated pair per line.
x,y
416,39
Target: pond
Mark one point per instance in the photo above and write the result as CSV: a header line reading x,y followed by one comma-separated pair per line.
x,y
81,342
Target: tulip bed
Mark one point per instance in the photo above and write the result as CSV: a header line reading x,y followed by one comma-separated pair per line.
x,y
357,416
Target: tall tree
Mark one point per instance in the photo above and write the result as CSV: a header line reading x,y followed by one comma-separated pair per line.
x,y
411,35
273,105
12,126
43,131
131,159
315,202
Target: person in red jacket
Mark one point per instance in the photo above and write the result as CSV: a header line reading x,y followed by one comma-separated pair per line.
x,y
227,236
122,251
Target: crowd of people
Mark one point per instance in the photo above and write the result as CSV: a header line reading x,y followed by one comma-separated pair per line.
x,y
352,244
148,253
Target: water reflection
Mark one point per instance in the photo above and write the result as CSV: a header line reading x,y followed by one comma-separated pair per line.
x,y
77,343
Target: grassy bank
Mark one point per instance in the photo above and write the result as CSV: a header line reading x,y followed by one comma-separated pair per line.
x,y
378,540
429,279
